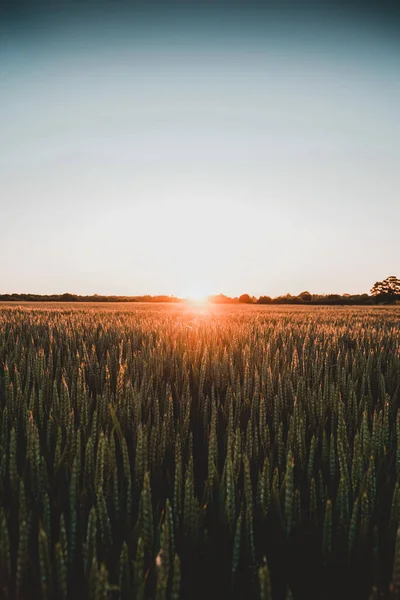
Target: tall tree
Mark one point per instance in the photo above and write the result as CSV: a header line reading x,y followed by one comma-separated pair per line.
x,y
388,289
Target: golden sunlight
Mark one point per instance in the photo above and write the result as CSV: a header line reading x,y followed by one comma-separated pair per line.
x,y
197,295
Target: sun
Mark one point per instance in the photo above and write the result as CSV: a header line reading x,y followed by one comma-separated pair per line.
x,y
197,295
198,299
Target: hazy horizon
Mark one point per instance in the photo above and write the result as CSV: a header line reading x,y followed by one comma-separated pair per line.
x,y
198,150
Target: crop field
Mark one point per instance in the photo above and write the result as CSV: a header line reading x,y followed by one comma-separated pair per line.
x,y
172,452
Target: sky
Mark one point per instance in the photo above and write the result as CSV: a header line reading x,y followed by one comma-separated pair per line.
x,y
198,148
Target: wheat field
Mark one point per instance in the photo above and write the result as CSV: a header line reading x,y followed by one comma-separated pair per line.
x,y
172,451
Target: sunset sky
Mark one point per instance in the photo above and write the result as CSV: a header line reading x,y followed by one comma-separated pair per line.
x,y
198,149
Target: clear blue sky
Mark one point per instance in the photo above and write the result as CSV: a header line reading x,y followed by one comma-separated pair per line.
x,y
193,151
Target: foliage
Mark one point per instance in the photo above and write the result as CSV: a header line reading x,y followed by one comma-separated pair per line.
x,y
387,290
264,300
245,299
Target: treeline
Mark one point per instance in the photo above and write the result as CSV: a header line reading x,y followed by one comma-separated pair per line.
x,y
320,299
303,298
317,299
79,298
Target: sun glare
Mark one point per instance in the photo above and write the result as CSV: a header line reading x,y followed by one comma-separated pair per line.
x,y
197,295
198,299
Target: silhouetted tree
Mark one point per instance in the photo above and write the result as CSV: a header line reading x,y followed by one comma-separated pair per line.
x,y
245,299
264,300
305,296
387,290
221,299
68,298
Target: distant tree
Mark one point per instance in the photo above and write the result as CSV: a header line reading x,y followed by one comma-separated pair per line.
x,y
245,299
221,299
387,290
305,296
68,297
264,300
286,299
359,299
